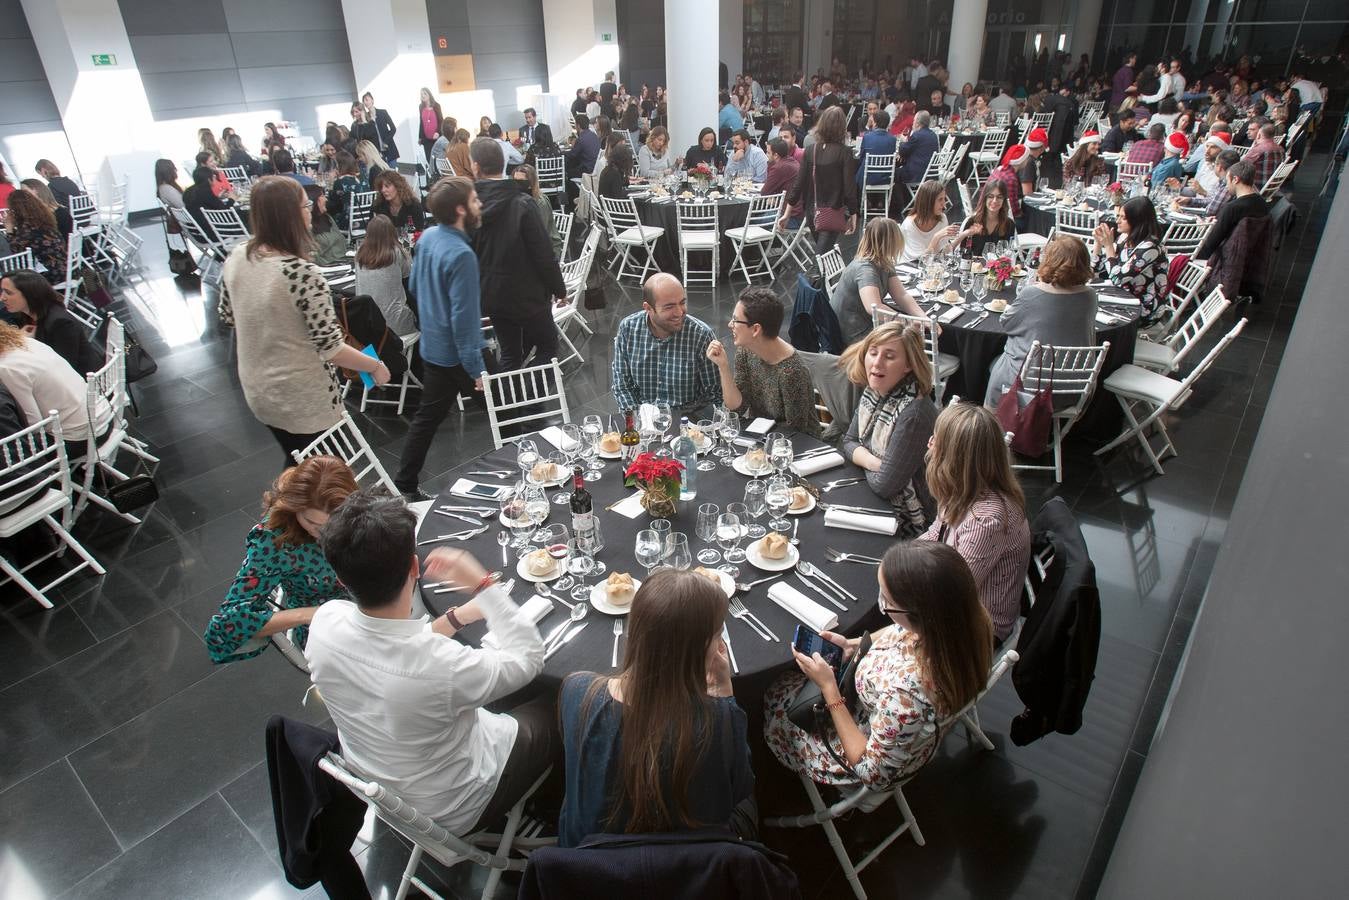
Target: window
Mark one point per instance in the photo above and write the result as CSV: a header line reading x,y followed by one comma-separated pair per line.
x,y
854,33
773,50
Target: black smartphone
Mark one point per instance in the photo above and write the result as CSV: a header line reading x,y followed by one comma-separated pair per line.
x,y
808,642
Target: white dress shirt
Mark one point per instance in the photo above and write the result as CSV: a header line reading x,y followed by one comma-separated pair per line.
x,y
40,380
754,164
512,156
408,703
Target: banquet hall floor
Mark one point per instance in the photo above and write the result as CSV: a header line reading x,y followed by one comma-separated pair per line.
x,y
131,767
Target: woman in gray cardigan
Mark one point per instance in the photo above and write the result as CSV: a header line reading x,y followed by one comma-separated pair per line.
x,y
1059,309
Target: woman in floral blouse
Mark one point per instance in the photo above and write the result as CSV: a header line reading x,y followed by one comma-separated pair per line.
x,y
916,674
31,226
1138,263
281,552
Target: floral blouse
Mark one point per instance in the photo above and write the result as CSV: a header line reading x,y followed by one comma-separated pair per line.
x,y
300,570
340,194
894,712
48,247
1142,271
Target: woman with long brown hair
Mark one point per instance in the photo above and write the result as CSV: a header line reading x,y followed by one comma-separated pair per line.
x,y
394,198
282,552
31,297
981,510
925,227
661,746
206,143
827,183
431,118
65,223
990,221
382,264
30,225
528,175
925,666
286,332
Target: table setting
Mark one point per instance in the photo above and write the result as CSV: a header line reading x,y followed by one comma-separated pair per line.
x,y
656,206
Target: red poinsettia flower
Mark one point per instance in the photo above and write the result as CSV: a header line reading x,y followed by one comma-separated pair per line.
x,y
648,468
1115,187
703,169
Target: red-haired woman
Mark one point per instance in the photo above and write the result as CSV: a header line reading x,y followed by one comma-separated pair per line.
x,y
282,551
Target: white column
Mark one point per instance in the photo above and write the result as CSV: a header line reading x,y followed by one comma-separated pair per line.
x,y
731,37
104,109
691,48
391,58
967,41
818,40
1085,24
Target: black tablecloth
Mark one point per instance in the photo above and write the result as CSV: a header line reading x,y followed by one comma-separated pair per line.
x,y
759,660
731,213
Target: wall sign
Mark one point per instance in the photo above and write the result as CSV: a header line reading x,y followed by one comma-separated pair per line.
x,y
104,59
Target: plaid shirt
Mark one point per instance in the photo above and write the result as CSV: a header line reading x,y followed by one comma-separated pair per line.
x,y
1011,179
1216,198
1265,155
1150,152
674,369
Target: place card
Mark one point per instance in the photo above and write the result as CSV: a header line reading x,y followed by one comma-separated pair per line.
x,y
629,507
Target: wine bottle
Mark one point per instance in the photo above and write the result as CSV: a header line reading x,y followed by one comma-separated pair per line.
x,y
630,438
582,507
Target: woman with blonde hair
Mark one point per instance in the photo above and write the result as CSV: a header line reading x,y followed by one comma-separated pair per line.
x,y
981,510
206,143
282,551
373,164
895,417
458,155
865,280
654,159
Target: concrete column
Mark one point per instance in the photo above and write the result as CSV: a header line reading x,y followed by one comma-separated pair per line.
x,y
967,41
818,40
104,110
691,48
731,37
391,58
1086,22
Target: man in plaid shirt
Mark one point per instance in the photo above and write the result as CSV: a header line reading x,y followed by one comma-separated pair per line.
x,y
1209,203
1149,151
660,352
1264,155
1009,173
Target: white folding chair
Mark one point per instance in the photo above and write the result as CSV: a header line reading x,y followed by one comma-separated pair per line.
x,y
1166,356
1178,299
524,397
229,228
212,254
879,182
1277,178
562,222
360,207
1089,112
865,800
1102,125
486,850
944,365
1077,222
831,267
936,166
35,480
698,232
105,405
1146,397
576,272
1042,120
796,245
953,164
87,314
237,176
1184,237
114,207
553,178
989,154
402,385
1070,375
443,167
16,261
345,441
966,201
627,233
759,231
1133,171
84,213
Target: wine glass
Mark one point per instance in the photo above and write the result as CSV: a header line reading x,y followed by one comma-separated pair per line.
x,y
980,290
778,498
561,466
592,429
555,539
662,419
755,505
516,517
526,455
580,564
781,453
730,430
707,532
709,430
648,549
677,555
728,537
536,507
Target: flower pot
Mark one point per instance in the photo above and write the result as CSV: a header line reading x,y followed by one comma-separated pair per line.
x,y
660,500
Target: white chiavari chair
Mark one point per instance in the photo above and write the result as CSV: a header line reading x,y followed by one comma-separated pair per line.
x,y
1071,375
698,232
628,234
878,183
1167,356
524,397
759,231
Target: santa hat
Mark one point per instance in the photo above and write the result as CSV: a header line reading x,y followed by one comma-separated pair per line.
x,y
1090,136
1220,139
1037,138
1016,156
1177,143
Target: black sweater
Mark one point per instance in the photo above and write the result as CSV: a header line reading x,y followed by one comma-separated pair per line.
x,y
517,269
1229,214
834,177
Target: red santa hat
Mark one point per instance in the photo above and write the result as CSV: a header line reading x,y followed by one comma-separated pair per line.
x,y
1220,139
1177,143
1037,138
1016,156
1090,136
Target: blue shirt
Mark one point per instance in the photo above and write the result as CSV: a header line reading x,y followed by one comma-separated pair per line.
x,y
444,280
730,119
1168,168
300,177
878,141
755,164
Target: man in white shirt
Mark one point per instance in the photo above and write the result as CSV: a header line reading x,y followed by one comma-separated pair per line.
x,y
408,700
1308,92
746,158
1003,103
508,150
757,93
1172,84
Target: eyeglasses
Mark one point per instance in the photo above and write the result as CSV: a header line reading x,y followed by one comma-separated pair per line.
x,y
895,611
740,322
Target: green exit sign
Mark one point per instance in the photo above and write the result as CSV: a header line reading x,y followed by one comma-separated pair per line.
x,y
606,38
104,59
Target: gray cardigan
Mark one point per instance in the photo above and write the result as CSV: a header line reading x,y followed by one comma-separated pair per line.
x,y
1047,316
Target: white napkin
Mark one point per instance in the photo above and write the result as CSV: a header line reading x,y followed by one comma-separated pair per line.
x,y
837,518
464,486
535,609
630,506
815,464
553,435
815,616
760,426
337,269
951,315
1111,294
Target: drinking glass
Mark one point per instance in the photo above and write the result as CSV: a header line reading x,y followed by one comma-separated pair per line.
x,y
663,417
741,512
728,537
707,532
730,430
526,455
966,282
648,549
561,463
778,497
580,564
980,289
781,454
709,430
592,429
755,504
516,517
677,555
536,506
662,528
555,539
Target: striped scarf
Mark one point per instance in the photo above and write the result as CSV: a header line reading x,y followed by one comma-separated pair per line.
x,y
876,417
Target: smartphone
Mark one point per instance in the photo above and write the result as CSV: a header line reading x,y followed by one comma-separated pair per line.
x,y
808,642
490,491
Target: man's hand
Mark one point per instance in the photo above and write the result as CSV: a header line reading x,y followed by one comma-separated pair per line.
x,y
560,301
453,565
477,384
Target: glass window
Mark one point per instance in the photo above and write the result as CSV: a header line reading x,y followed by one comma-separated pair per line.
x,y
773,39
854,32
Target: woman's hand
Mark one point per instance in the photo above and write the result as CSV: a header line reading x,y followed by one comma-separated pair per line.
x,y
975,229
381,374
457,566
718,666
852,225
717,353
818,671
849,645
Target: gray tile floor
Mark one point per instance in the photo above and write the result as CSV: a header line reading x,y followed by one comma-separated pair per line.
x,y
130,767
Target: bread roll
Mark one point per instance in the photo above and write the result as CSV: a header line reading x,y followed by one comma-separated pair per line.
x,y
711,575
609,442
773,546
540,564
619,589
800,498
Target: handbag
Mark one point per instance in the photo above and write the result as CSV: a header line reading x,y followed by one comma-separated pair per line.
x,y
826,218
95,288
139,362
594,291
1030,424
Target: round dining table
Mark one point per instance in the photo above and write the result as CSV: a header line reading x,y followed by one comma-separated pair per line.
x,y
731,213
757,661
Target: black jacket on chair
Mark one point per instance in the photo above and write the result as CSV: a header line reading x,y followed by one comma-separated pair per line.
x,y
317,818
693,865
1062,634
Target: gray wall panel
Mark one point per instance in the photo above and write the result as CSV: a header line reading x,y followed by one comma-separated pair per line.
x,y
173,17
156,53
291,48
512,39
279,82
19,60
16,23
442,14
519,67
177,90
504,13
285,15
27,101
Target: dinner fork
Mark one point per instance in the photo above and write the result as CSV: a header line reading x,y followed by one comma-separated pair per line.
x,y
834,485
740,611
838,556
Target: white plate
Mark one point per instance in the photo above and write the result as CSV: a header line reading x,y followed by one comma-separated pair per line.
x,y
505,523
702,448
559,568
989,306
599,599
772,565
604,454
742,467
805,509
554,482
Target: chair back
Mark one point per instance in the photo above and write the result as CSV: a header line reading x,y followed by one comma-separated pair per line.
x,y
237,176
966,201
16,261
360,206
995,141
1102,125
939,161
1070,373
83,210
1277,178
1043,120
1002,117
1183,292
880,171
1133,171
953,164
576,271
444,168
524,397
345,441
1193,329
1078,222
764,211
1204,364
205,242
105,404
1001,664
552,174
229,228
562,222
32,460
1184,237
695,218
621,213
831,267
1090,112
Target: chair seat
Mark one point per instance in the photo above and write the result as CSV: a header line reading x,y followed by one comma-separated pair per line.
x,y
701,239
1153,355
947,365
985,156
639,234
750,234
1031,239
44,505
1137,383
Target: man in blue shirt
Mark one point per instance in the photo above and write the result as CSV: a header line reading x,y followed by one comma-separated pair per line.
x,y
746,158
730,119
444,280
877,140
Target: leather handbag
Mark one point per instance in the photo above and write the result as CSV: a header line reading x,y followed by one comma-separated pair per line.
x,y
808,711
139,363
95,288
1030,424
826,217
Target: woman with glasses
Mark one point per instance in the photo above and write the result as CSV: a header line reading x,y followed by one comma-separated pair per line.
x,y
925,666
769,379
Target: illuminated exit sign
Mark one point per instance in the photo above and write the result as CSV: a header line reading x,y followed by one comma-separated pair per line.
x,y
104,59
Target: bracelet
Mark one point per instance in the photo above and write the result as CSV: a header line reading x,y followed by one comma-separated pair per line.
x,y
487,581
836,704
453,619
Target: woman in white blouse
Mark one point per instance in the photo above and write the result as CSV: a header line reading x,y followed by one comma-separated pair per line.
x,y
925,228
655,160
40,381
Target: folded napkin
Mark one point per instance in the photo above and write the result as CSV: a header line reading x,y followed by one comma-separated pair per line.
x,y
760,426
951,315
336,269
837,518
553,435
815,616
1118,297
815,464
908,270
630,506
535,609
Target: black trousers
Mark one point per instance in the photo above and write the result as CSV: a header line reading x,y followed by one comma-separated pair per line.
x,y
537,746
440,385
521,330
290,441
825,241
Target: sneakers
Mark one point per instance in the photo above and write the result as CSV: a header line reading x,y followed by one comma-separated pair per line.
x,y
416,495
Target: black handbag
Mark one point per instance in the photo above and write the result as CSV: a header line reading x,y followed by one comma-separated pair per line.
x,y
808,711
136,492
181,262
139,363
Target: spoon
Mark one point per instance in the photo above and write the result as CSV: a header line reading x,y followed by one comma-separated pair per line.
x,y
544,591
796,523
578,612
504,540
814,572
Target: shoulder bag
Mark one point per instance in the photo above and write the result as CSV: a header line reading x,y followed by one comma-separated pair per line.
x,y
826,218
1030,424
808,711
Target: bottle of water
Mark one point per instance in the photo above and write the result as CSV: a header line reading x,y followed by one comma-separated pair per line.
x,y
687,453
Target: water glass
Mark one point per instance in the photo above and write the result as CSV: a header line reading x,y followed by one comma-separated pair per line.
x,y
516,517
709,430
592,429
707,532
755,505
536,505
730,430
781,454
677,555
662,418
526,455
728,537
648,549
778,497
980,289
662,528
561,463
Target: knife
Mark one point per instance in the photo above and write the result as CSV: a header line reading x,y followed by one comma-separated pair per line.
x,y
726,636
838,587
819,590
570,634
557,630
474,522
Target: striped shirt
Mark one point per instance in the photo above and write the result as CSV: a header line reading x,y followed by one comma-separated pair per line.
x,y
675,369
994,539
1012,181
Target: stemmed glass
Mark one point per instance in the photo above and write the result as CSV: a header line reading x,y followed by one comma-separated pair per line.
x,y
526,455
648,549
709,430
516,517
755,505
581,564
677,555
536,507
780,453
555,539
730,430
662,418
980,290
779,497
728,536
707,532
561,465
592,429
